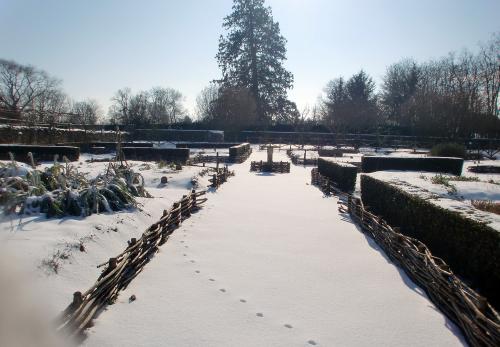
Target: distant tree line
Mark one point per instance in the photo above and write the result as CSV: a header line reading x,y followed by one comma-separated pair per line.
x,y
32,95
159,106
456,96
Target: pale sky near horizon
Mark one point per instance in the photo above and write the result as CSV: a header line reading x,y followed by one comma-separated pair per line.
x,y
97,47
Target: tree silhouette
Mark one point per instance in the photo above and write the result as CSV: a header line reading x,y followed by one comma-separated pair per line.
x,y
251,56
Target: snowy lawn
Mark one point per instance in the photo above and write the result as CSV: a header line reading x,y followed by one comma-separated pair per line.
x,y
269,261
39,246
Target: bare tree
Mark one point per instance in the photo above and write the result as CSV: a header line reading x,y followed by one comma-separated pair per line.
x,y
22,85
205,102
119,111
89,111
156,106
489,71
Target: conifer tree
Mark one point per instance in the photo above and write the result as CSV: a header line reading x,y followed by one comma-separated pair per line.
x,y
251,56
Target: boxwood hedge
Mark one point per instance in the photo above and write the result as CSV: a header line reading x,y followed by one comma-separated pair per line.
x,y
40,153
179,155
471,248
239,150
343,174
431,164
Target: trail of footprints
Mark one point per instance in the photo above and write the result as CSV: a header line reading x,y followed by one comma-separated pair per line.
x,y
223,290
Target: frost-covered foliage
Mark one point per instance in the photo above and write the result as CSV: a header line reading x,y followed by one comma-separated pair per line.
x,y
60,190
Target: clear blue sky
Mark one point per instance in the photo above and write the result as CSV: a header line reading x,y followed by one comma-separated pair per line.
x,y
99,46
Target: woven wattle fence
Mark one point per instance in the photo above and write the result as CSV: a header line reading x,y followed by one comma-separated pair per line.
x,y
221,176
471,312
123,268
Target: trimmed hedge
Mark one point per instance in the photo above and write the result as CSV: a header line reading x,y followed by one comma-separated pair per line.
x,y
108,146
330,152
430,164
343,174
177,135
206,145
40,153
239,150
449,150
471,248
179,155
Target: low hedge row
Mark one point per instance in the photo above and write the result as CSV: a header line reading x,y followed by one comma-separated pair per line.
x,y
108,146
40,153
430,164
239,150
336,152
178,155
206,145
471,248
343,174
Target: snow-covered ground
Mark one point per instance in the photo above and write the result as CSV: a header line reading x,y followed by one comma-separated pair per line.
x,y
269,261
39,246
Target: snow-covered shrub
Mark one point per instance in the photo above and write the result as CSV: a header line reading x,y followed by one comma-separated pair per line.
x,y
60,190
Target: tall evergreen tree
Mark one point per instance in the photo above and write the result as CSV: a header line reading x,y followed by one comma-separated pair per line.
x,y
251,55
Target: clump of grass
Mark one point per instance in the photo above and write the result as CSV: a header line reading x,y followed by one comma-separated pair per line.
x,y
54,262
445,181
162,164
464,179
487,206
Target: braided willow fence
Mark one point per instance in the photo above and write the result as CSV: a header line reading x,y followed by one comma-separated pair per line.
x,y
301,160
477,319
275,166
220,177
123,268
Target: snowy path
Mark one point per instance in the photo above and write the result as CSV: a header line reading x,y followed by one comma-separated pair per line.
x,y
270,262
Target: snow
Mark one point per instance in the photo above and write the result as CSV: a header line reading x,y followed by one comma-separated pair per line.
x,y
270,262
34,241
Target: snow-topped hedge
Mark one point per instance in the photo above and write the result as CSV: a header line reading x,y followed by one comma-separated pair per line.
x,y
470,247
428,164
343,174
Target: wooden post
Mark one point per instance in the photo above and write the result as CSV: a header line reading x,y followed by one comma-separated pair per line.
x,y
193,200
77,301
217,160
185,210
270,155
214,181
177,216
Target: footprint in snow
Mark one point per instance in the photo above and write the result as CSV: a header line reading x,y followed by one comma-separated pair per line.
x,y
186,247
211,279
288,326
312,342
222,290
192,261
243,300
259,314
197,271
